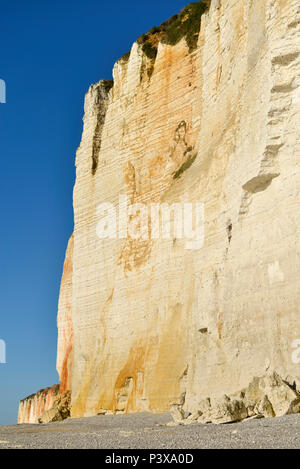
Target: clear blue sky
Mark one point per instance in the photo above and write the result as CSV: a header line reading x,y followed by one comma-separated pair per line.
x,y
50,52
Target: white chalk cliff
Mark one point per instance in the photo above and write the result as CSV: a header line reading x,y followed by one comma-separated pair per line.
x,y
146,324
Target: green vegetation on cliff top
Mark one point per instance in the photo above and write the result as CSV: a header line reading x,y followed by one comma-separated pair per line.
x,y
184,25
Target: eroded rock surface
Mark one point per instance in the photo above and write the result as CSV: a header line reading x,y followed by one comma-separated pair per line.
x,y
59,411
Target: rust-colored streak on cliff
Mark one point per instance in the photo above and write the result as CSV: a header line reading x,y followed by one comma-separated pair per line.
x,y
64,322
34,406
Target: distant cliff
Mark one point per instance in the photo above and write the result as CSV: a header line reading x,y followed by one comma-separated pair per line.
x,y
34,406
204,109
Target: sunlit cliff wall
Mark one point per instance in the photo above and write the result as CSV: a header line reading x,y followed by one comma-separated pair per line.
x,y
31,408
146,323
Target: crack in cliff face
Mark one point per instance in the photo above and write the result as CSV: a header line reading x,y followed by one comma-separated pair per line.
x,y
285,59
101,103
182,154
229,230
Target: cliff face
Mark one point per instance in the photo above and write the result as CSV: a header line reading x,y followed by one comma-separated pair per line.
x,y
145,324
32,407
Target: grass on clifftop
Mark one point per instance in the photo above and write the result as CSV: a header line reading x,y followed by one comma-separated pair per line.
x,y
186,24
